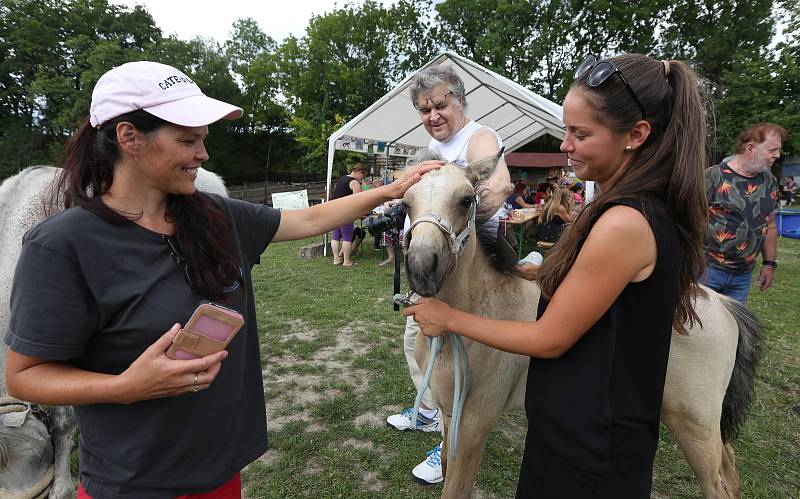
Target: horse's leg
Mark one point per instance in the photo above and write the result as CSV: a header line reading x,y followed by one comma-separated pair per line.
x,y
477,422
698,374
702,447
730,478
62,426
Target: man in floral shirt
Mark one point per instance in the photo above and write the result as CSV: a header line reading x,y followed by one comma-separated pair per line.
x,y
742,201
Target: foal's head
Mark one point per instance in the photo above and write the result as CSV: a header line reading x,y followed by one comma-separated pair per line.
x,y
444,212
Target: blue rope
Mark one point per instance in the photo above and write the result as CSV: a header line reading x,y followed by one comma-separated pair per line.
x,y
461,390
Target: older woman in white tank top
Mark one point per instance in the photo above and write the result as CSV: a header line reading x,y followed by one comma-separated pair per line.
x,y
438,94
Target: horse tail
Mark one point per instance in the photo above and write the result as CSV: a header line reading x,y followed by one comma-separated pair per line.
x,y
739,394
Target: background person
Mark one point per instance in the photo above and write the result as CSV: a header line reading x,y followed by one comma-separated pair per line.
x,y
599,355
742,201
578,194
789,190
101,289
543,193
517,197
438,94
386,236
342,239
556,214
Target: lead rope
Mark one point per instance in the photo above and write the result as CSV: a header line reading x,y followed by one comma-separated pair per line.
x,y
460,365
460,355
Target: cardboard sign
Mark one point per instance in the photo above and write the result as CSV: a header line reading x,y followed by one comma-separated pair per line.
x,y
292,200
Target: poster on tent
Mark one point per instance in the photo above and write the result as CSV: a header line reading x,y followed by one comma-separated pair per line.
x,y
402,150
292,200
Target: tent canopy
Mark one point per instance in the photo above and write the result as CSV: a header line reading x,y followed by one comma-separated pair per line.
x,y
392,125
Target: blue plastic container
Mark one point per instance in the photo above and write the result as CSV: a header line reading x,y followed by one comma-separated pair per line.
x,y
788,221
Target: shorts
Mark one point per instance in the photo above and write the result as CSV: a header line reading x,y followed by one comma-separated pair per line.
x,y
232,489
344,233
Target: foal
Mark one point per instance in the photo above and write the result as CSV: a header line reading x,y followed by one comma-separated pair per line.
x,y
710,373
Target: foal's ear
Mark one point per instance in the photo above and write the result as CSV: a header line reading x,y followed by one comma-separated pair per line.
x,y
480,170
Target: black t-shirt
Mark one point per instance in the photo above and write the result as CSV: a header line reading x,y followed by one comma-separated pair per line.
x,y
97,295
342,187
598,405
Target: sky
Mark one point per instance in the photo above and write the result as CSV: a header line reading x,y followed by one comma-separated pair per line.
x,y
214,18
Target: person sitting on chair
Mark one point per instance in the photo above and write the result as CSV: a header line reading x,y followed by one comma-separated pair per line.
x,y
517,198
556,214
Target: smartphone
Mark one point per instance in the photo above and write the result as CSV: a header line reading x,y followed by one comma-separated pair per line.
x,y
209,330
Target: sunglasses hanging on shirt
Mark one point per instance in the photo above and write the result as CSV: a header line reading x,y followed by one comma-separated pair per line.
x,y
180,261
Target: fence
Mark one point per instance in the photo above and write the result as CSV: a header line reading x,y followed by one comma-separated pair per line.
x,y
261,192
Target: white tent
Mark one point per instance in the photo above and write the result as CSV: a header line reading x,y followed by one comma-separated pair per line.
x,y
393,126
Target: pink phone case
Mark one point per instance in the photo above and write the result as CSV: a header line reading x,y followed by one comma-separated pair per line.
x,y
209,330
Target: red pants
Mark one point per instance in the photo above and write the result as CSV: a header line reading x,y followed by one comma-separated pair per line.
x,y
232,489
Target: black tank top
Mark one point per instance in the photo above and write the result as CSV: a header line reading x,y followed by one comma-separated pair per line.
x,y
342,188
599,404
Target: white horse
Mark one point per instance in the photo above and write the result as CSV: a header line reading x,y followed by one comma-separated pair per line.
x,y
706,363
25,200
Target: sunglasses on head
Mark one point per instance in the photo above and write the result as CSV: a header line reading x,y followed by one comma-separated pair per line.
x,y
438,102
597,72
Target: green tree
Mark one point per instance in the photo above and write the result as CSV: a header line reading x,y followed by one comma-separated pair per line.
x,y
765,88
538,43
254,59
717,36
51,55
343,64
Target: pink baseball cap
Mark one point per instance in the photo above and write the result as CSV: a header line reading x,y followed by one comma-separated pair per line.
x,y
161,90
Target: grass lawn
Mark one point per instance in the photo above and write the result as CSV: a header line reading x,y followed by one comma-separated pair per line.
x,y
334,369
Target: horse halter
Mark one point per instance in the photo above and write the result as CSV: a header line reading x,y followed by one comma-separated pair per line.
x,y
456,242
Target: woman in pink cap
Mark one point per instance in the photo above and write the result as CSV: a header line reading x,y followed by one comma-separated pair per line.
x,y
102,288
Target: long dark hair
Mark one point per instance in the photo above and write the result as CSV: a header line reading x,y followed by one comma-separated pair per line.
x,y
202,230
669,164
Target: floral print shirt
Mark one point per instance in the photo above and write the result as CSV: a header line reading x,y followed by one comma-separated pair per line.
x,y
738,209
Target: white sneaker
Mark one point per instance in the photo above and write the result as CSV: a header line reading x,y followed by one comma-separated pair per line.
x,y
402,421
429,471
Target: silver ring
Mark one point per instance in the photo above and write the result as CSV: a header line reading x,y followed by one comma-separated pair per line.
x,y
195,383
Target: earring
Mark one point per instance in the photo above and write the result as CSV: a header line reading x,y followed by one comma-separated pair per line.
x,y
628,148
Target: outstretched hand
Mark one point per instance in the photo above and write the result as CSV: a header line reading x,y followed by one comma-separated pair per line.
x,y
431,315
411,176
154,375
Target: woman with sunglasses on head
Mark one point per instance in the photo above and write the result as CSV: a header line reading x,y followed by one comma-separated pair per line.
x,y
614,285
102,288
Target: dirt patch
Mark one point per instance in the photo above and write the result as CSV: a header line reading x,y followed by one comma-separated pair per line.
x,y
292,389
359,444
298,393
371,419
372,483
313,468
276,423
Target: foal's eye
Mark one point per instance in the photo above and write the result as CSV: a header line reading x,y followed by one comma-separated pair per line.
x,y
466,202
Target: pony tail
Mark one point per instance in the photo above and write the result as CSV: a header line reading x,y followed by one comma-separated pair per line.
x,y
686,131
88,169
76,160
